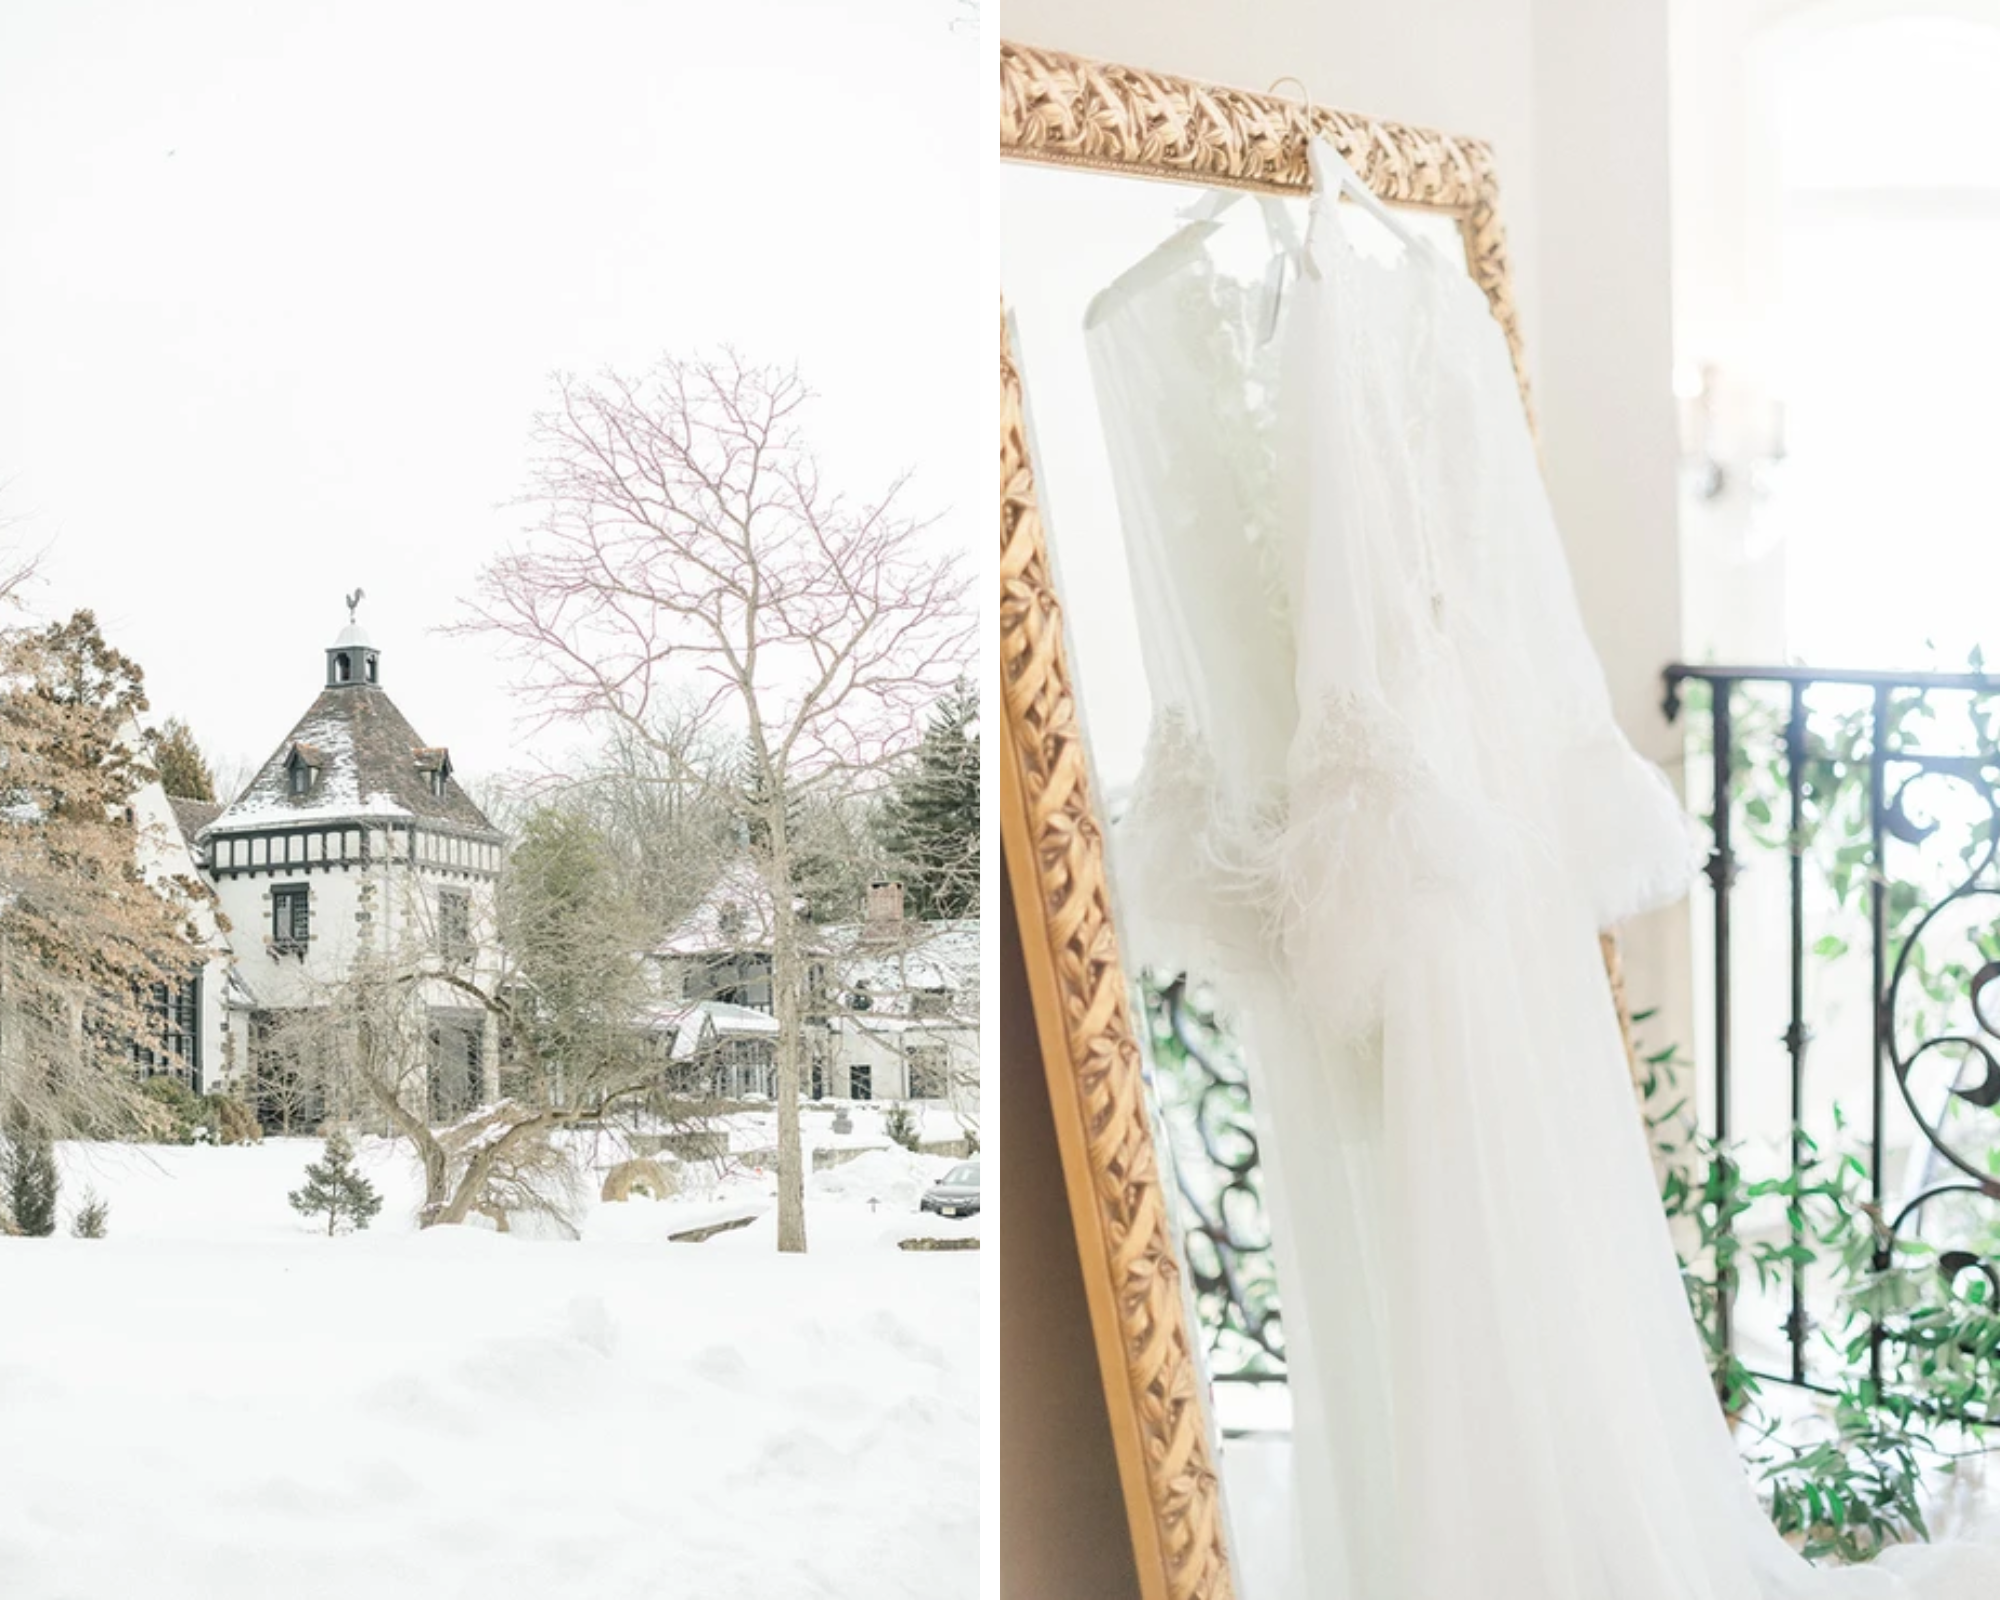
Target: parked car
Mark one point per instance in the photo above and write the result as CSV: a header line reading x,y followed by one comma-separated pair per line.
x,y
956,1194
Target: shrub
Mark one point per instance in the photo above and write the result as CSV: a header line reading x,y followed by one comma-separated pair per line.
x,y
31,1182
231,1121
91,1217
334,1185
171,1111
899,1122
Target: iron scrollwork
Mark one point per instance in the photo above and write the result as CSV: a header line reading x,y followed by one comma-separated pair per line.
x,y
1928,1011
1985,1095
1218,1178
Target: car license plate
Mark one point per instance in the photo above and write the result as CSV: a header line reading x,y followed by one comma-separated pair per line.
x,y
947,1211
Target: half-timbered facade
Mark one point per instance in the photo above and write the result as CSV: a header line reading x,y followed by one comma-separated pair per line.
x,y
355,845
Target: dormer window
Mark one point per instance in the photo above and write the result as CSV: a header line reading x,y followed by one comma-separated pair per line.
x,y
435,764
302,770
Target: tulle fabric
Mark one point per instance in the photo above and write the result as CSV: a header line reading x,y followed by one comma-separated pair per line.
x,y
1385,808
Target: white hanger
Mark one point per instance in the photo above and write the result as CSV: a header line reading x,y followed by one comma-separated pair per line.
x,y
1287,251
1332,175
1277,221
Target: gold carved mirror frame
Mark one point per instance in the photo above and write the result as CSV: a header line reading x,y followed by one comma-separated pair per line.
x,y
1064,110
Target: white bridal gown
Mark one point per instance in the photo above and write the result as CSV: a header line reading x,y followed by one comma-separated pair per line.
x,y
1385,809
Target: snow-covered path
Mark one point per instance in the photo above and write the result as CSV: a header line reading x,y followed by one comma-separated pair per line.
x,y
215,1402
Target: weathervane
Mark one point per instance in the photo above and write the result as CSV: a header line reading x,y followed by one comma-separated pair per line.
x,y
353,600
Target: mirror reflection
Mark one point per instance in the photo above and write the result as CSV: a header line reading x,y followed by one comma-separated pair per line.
x,y
1073,241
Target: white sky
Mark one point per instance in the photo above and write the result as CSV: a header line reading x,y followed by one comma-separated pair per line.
x,y
281,286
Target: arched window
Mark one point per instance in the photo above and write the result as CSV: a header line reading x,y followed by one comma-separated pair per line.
x,y
342,669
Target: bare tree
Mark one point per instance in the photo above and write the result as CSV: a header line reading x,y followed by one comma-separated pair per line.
x,y
361,1051
689,556
567,996
672,836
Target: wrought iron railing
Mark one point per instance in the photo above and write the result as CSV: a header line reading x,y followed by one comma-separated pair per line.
x,y
1204,1095
1880,795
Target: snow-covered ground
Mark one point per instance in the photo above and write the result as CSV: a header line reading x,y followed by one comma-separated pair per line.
x,y
218,1401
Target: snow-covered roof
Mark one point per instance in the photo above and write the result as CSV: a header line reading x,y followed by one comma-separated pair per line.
x,y
367,762
702,1022
735,914
905,956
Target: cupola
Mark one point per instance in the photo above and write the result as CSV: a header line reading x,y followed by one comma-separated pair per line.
x,y
352,659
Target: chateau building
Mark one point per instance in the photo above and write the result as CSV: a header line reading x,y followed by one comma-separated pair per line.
x,y
354,848
894,1012
353,853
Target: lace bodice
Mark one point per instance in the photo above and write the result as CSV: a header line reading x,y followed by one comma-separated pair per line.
x,y
1370,678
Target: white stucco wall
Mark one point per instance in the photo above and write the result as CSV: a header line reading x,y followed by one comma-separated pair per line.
x,y
1573,97
388,906
882,1052
164,855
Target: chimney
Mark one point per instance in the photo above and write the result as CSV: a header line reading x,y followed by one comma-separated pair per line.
x,y
885,906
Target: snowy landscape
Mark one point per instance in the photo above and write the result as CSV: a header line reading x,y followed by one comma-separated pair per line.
x,y
474,1045
219,1400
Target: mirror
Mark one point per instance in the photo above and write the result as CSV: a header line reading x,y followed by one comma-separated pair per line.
x,y
1151,1090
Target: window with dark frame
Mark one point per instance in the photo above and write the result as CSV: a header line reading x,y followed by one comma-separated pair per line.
x,y
291,916
454,925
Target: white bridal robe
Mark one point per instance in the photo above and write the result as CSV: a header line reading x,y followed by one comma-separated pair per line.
x,y
1385,810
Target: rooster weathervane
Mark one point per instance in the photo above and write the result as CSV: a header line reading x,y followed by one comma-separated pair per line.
x,y
353,600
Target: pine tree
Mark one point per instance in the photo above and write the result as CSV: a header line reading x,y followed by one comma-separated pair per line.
x,y
825,840
930,823
92,1217
334,1185
31,1181
183,769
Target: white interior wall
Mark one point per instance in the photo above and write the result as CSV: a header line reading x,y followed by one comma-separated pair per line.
x,y
1573,97
1726,284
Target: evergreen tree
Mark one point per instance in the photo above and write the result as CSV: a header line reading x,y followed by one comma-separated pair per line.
x,y
86,940
571,922
334,1185
92,1217
930,824
31,1181
183,769
826,840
